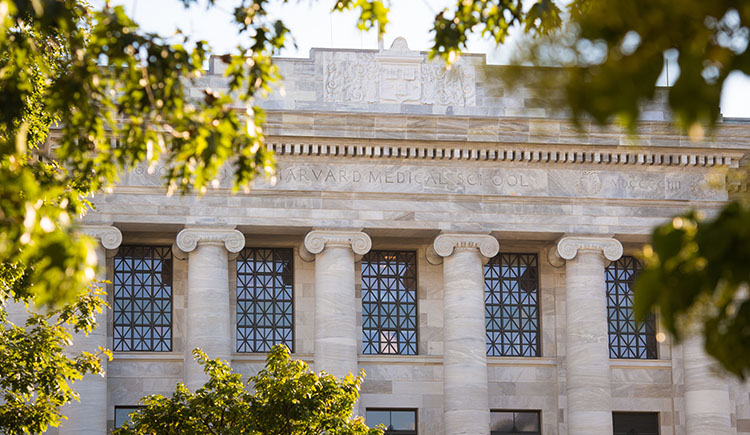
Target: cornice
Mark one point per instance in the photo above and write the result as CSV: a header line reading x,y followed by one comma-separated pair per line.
x,y
108,236
317,240
569,246
189,238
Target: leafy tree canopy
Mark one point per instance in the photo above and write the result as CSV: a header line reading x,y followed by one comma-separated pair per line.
x,y
36,372
117,98
285,398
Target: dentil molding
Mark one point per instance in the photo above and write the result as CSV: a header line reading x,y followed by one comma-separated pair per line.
x,y
317,240
445,244
108,236
569,246
189,238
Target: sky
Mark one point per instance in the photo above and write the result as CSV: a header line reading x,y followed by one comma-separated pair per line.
x,y
313,25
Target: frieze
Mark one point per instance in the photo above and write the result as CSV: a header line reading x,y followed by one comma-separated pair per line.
x,y
490,180
497,181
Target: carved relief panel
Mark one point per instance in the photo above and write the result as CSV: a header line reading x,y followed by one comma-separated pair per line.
x,y
399,75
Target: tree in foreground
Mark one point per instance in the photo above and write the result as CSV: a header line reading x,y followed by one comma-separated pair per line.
x,y
36,371
285,398
98,77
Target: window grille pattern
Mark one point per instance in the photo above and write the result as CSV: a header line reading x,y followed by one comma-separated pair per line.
x,y
143,299
626,340
265,306
396,421
389,302
511,297
514,422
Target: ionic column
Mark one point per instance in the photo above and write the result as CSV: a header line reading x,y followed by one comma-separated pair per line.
x,y
89,416
465,396
208,311
587,338
707,405
336,330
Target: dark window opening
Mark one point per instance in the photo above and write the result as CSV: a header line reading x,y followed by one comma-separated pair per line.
x,y
396,421
515,422
122,415
635,423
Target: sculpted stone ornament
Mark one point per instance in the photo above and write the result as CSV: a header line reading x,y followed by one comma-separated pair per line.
x,y
108,236
569,246
448,87
553,257
446,244
317,240
188,239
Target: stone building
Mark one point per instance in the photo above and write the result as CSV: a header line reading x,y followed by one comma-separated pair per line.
x,y
467,247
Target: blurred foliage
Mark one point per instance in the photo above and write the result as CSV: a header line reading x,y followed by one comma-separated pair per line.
x,y
607,57
613,52
697,275
117,97
36,371
285,398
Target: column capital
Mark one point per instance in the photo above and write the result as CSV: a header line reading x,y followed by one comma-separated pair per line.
x,y
189,238
108,236
317,240
445,244
569,246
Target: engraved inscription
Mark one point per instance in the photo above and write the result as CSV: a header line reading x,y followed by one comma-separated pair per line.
x,y
425,178
479,180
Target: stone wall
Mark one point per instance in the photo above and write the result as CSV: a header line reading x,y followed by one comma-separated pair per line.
x,y
391,144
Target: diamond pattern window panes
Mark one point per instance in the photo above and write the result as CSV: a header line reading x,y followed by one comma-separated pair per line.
x,y
142,310
511,302
389,302
515,422
626,339
265,299
396,421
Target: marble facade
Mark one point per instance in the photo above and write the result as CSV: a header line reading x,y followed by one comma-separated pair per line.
x,y
385,150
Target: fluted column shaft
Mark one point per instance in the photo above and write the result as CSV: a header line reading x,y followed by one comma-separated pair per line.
x,y
336,333
465,394
208,308
589,394
707,405
89,416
